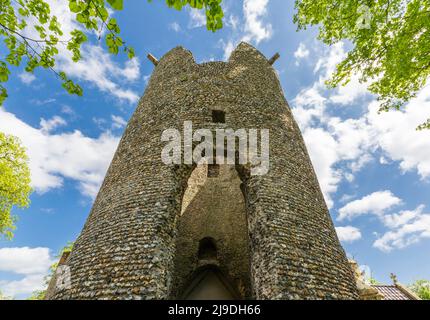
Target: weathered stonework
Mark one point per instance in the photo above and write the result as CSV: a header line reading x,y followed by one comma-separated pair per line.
x,y
365,291
137,245
217,211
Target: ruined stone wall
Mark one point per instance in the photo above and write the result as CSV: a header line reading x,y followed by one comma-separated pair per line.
x,y
216,211
127,247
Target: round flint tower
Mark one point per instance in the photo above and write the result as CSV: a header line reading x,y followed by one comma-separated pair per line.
x,y
160,231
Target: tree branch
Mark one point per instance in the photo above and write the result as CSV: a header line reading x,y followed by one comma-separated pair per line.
x,y
30,39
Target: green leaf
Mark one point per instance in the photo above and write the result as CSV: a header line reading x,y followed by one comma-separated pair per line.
x,y
3,94
116,4
130,52
23,12
74,6
4,72
113,25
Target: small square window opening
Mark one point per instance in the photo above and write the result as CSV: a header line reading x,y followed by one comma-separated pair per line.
x,y
218,116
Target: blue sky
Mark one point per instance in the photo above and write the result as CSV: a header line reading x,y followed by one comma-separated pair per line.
x,y
374,169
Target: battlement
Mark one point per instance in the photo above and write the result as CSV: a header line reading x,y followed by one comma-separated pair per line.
x,y
243,50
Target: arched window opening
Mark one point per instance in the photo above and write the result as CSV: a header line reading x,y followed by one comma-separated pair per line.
x,y
207,249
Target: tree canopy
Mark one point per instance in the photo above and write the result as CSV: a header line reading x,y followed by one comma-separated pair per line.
x,y
14,181
38,44
390,39
421,288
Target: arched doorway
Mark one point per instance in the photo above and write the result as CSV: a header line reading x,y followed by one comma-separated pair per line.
x,y
212,259
209,283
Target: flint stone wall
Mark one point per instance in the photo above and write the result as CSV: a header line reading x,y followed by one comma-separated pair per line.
x,y
214,209
127,247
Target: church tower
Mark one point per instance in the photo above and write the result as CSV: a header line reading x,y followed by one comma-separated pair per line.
x,y
160,231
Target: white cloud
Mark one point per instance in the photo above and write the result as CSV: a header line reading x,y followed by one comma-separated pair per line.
x,y
32,263
97,67
309,105
382,160
348,234
25,260
26,77
48,125
409,228
43,102
118,122
347,94
175,27
353,140
376,203
67,110
332,144
24,286
228,48
404,228
346,198
54,157
146,78
356,142
256,30
131,71
322,151
251,27
232,21
301,53
396,220
197,18
100,123
328,61
398,138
